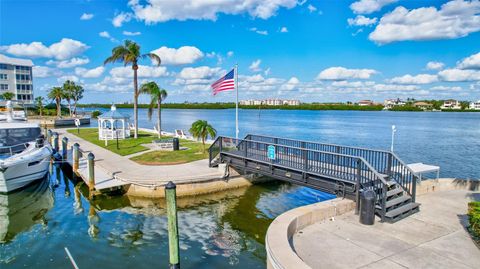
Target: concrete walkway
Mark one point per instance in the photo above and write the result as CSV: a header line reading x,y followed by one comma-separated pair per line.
x,y
433,238
132,172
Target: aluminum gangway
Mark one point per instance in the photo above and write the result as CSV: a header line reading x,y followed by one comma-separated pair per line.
x,y
341,170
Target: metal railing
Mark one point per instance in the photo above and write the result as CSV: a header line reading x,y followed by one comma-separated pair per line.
x,y
13,149
384,162
333,165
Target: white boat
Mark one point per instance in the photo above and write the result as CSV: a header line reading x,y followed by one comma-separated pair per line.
x,y
24,155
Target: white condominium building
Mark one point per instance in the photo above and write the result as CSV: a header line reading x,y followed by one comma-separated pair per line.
x,y
451,104
475,105
16,77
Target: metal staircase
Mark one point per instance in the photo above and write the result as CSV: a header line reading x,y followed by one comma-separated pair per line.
x,y
341,170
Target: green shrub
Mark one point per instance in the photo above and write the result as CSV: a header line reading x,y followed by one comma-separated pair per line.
x,y
474,218
96,113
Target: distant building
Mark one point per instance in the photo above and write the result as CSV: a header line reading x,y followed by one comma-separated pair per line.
x,y
475,105
16,77
365,103
451,104
270,102
391,103
423,105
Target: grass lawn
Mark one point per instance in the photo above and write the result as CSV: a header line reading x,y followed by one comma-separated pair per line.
x,y
193,153
126,146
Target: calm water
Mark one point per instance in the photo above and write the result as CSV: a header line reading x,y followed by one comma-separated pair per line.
x,y
450,140
216,231
225,230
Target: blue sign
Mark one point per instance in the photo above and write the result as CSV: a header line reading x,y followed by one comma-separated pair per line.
x,y
271,152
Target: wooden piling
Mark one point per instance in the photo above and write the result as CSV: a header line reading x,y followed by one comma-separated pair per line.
x,y
91,173
55,142
75,157
171,198
64,147
49,136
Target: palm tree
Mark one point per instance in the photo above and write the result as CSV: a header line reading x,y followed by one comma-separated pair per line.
x,y
39,102
77,94
8,96
56,93
68,88
201,129
157,95
129,53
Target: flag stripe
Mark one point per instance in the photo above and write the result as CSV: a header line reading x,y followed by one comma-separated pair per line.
x,y
225,83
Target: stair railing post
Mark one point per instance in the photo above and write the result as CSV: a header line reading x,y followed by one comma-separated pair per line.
x,y
64,147
384,201
75,157
357,188
173,245
91,173
414,187
389,165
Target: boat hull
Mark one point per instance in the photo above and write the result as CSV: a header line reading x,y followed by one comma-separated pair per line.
x,y
20,174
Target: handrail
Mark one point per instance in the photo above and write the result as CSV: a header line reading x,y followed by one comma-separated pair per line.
x,y
314,142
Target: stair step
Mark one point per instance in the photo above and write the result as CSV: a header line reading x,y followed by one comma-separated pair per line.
x,y
398,211
398,200
394,191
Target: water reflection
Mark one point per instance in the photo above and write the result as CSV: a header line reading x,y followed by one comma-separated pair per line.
x,y
19,211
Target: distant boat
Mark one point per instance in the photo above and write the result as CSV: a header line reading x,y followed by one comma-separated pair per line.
x,y
24,154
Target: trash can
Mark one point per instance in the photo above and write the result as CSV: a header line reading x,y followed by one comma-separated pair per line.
x,y
176,144
367,207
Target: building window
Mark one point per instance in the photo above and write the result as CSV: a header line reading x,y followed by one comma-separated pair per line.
x,y
3,66
4,76
4,87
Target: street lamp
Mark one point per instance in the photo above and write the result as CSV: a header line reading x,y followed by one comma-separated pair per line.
x,y
394,130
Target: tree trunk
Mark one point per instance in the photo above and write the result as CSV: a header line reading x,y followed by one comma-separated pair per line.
x,y
69,108
203,142
59,109
75,107
159,123
135,100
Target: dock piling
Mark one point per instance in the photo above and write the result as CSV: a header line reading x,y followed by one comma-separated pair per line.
x,y
55,142
91,173
49,136
75,157
64,147
171,198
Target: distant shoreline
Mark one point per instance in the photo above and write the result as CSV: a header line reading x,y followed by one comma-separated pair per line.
x,y
344,107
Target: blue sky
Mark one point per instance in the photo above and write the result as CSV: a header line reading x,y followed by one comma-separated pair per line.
x,y
320,51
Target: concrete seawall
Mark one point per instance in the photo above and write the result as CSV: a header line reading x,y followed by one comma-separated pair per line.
x,y
318,235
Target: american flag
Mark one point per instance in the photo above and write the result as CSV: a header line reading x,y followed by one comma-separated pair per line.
x,y
225,83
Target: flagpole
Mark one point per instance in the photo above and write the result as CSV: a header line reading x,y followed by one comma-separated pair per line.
x,y
236,103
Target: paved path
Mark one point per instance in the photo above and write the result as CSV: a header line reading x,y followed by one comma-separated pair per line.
x,y
149,175
433,238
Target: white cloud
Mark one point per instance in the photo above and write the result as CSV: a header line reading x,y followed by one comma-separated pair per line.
x,y
435,65
44,71
361,20
89,73
395,87
471,62
454,19
418,79
86,16
182,55
352,84
257,83
459,75
446,88
69,63
201,72
342,73
311,8
255,66
283,30
260,32
144,71
128,33
369,6
291,84
62,50
107,35
155,11
230,54
121,18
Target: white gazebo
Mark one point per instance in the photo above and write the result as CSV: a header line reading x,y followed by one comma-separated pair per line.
x,y
113,125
